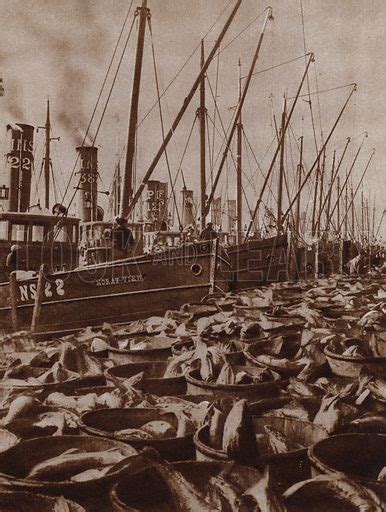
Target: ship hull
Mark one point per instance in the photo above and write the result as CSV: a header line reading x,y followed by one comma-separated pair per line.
x,y
258,262
120,291
332,259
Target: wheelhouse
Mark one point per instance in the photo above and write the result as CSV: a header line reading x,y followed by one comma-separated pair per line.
x,y
48,239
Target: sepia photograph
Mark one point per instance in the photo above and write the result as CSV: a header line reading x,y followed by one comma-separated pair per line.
x,y
192,256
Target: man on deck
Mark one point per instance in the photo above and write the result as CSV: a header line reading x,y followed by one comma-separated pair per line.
x,y
12,261
122,238
208,233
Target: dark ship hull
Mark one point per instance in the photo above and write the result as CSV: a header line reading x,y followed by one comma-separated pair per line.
x,y
258,262
332,258
120,291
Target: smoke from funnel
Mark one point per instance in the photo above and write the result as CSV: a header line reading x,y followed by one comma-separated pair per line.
x,y
66,44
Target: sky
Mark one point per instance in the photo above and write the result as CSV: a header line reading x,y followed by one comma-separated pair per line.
x,y
61,49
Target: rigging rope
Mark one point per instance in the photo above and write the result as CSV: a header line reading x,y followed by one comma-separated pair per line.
x,y
278,66
318,99
221,122
103,112
258,165
223,139
184,64
99,96
182,159
307,78
325,90
162,123
243,30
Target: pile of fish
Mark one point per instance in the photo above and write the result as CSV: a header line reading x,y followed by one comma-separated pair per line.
x,y
262,379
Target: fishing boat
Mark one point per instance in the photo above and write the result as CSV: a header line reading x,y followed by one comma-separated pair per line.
x,y
114,292
119,290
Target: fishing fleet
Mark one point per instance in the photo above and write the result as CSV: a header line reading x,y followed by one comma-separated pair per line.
x,y
68,272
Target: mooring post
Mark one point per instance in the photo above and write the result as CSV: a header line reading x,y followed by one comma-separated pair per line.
x,y
38,297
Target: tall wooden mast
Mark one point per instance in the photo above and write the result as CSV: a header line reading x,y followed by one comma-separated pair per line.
x,y
202,117
46,162
182,111
300,172
316,189
346,209
239,170
362,218
281,170
352,213
322,177
328,209
127,189
47,158
239,107
338,206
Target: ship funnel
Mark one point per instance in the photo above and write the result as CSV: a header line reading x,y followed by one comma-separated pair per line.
x,y
15,185
157,204
88,182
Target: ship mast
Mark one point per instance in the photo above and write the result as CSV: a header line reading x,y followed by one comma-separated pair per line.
x,y
47,160
239,187
299,172
47,164
181,113
127,189
202,117
281,169
239,107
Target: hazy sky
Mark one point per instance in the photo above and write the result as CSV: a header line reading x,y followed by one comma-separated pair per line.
x,y
61,49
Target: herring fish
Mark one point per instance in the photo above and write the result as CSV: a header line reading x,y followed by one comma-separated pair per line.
x,y
377,388
279,442
61,505
20,407
304,389
186,497
224,495
340,487
239,440
72,462
382,475
264,495
131,433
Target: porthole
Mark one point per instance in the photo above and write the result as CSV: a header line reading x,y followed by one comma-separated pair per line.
x,y
196,269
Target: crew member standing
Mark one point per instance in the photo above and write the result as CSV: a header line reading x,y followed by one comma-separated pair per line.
x,y
208,233
122,239
12,261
